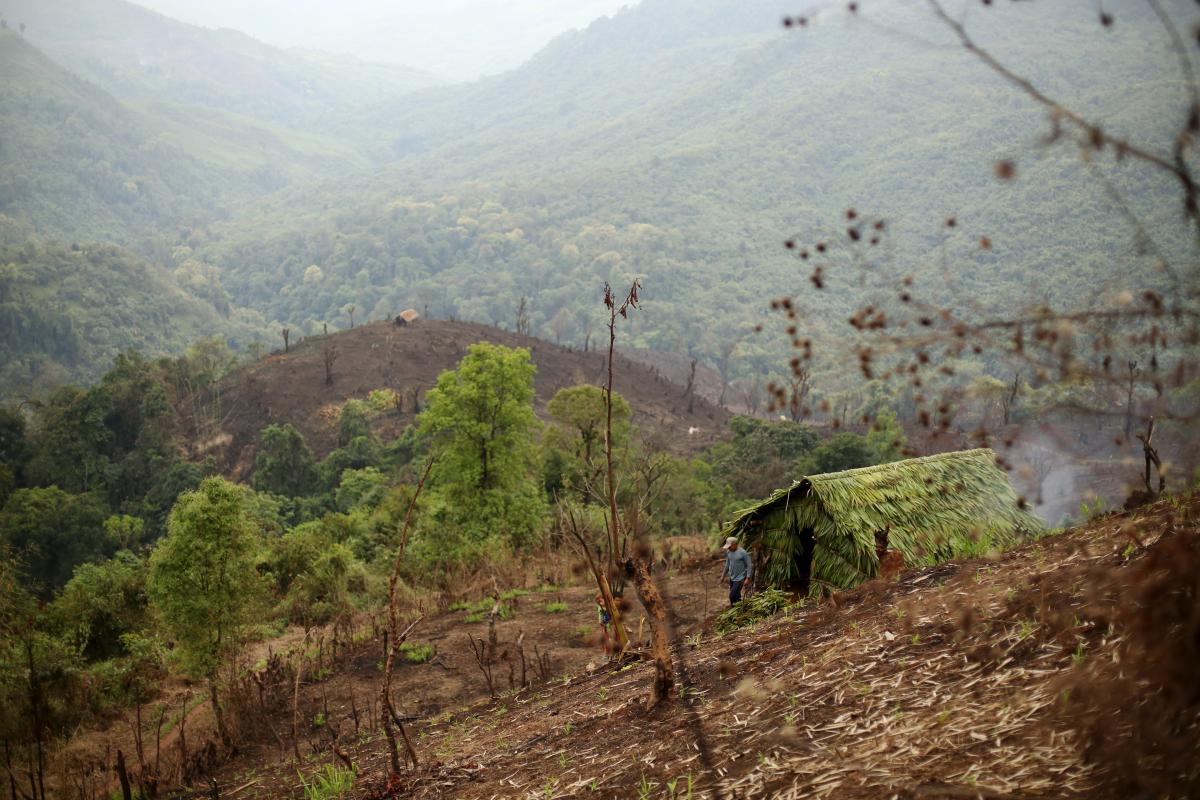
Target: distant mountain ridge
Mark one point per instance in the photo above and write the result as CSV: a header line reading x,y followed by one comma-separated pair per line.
x,y
139,54
680,142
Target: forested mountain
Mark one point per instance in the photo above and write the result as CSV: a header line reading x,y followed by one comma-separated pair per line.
x,y
76,163
138,54
678,141
66,312
685,141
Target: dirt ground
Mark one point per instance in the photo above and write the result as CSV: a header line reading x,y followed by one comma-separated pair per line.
x,y
952,682
451,683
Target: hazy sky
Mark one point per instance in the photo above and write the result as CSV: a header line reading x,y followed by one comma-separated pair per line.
x,y
454,38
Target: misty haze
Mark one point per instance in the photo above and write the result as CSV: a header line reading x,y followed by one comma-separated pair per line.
x,y
599,398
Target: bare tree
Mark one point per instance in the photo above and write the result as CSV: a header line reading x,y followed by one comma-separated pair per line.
x,y
559,323
395,637
1008,400
330,356
640,562
689,391
287,333
523,316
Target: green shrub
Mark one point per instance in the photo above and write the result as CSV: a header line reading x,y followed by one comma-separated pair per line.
x,y
556,607
416,653
331,783
760,605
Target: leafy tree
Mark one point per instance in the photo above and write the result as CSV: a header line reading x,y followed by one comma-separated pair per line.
x,y
360,487
12,438
284,464
359,453
101,603
886,437
354,421
181,476
71,445
202,580
840,452
39,676
480,420
52,532
123,531
580,414
762,454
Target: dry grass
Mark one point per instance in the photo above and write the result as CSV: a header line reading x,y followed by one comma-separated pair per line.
x,y
955,682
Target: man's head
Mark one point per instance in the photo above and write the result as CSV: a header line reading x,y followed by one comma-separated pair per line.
x,y
730,544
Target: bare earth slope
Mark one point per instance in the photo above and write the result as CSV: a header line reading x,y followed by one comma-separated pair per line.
x,y
291,387
1047,672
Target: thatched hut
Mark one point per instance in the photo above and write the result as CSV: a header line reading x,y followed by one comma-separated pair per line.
x,y
407,317
829,531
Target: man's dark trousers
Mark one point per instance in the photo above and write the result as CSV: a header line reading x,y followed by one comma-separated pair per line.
x,y
735,591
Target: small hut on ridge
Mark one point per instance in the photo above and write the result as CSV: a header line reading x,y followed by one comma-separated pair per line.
x,y
828,531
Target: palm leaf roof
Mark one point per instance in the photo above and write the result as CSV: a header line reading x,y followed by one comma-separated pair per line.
x,y
932,508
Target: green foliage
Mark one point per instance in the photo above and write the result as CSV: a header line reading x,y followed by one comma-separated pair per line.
x,y
480,422
556,607
124,532
354,421
284,464
202,578
360,487
762,454
416,653
840,452
102,604
53,532
66,313
762,604
332,783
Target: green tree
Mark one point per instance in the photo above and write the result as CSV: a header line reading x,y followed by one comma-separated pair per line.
x,y
360,487
480,420
284,464
354,421
203,583
762,454
843,451
52,532
580,414
102,603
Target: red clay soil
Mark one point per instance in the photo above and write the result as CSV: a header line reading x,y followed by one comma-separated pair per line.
x,y
971,679
291,387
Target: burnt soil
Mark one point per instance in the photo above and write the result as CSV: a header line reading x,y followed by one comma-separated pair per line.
x,y
291,387
976,678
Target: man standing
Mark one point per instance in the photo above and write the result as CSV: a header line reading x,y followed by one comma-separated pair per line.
x,y
738,568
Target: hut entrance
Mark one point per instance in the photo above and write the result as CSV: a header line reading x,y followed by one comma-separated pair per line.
x,y
803,563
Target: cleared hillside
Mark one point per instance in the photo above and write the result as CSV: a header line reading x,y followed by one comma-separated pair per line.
x,y
1063,669
291,387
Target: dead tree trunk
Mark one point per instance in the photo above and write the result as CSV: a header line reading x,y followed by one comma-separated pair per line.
x,y
123,776
330,357
647,591
1129,403
396,638
1152,460
690,391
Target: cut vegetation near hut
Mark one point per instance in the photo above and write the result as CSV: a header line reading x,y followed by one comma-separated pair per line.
x,y
830,531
